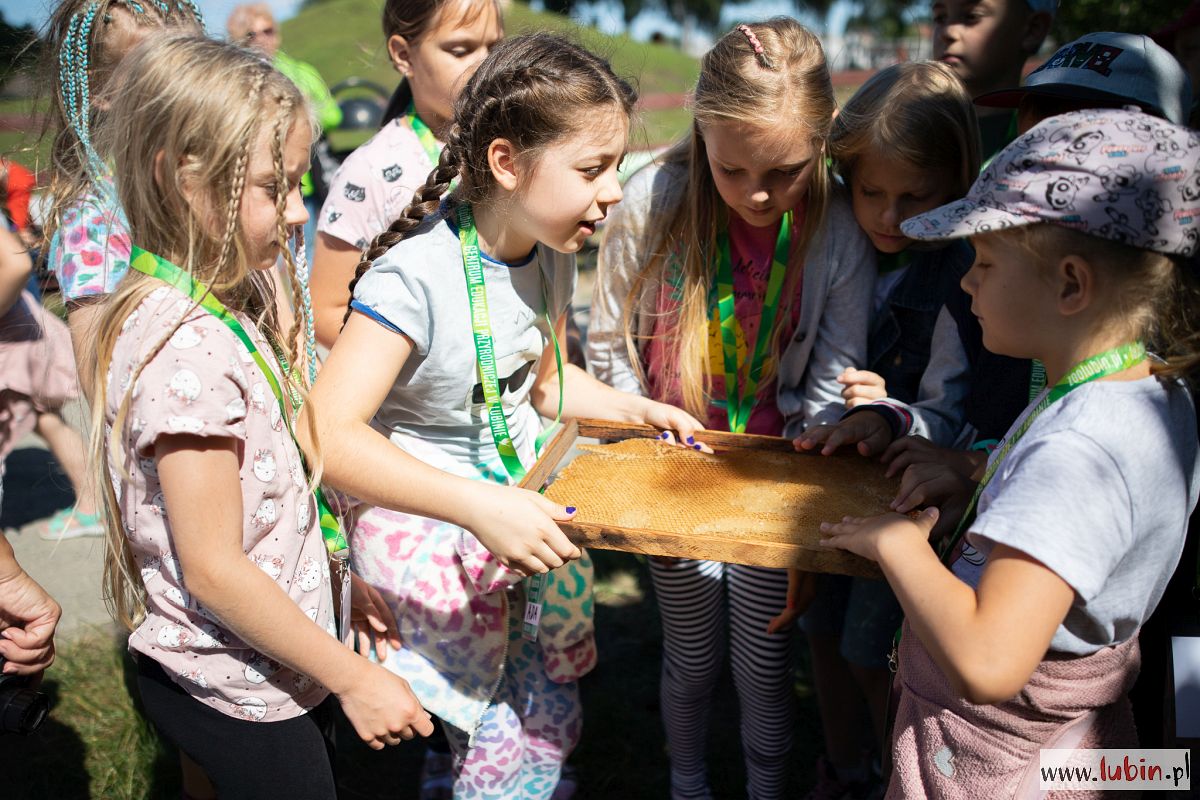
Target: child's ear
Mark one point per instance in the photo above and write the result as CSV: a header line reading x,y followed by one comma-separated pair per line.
x,y
397,47
502,161
1076,284
1037,27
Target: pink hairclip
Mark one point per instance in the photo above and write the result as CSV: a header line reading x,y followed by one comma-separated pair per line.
x,y
754,42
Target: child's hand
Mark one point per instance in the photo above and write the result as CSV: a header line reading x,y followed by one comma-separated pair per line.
x,y
868,430
517,526
909,450
932,484
677,425
802,588
371,620
864,535
862,386
382,707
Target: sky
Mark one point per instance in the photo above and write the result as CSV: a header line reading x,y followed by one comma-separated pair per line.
x,y
35,12
606,16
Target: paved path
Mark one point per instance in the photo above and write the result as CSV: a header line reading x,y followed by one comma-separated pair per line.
x,y
70,570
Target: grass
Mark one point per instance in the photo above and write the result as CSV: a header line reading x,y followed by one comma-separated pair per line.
x,y
354,47
95,743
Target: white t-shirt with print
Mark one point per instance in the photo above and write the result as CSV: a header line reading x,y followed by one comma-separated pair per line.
x,y
1099,490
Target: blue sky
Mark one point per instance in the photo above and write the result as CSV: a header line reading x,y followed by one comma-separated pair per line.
x,y
607,16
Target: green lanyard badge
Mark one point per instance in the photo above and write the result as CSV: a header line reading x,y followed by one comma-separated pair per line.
x,y
157,267
425,136
485,359
739,404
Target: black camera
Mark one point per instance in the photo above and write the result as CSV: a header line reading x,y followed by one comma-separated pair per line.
x,y
22,709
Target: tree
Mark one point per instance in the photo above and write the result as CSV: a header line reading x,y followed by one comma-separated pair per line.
x,y
18,46
1077,17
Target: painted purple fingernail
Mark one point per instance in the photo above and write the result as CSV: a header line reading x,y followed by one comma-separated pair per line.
x,y
570,509
695,447
691,440
663,435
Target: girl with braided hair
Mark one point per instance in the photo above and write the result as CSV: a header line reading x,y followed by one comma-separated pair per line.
x,y
434,45
734,282
219,547
451,351
89,239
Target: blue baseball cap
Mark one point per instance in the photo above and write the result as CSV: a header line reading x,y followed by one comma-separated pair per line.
x,y
1112,69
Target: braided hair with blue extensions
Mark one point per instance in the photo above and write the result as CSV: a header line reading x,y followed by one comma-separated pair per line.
x,y
84,41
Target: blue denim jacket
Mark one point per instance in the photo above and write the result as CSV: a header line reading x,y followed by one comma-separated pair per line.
x,y
899,340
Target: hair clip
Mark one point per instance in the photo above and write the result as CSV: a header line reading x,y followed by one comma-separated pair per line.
x,y
759,53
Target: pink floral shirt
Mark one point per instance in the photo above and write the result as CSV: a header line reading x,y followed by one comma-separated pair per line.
x,y
89,252
204,382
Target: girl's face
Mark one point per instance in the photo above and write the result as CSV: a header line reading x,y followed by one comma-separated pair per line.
x,y
885,192
1010,296
981,40
760,173
440,62
259,225
572,184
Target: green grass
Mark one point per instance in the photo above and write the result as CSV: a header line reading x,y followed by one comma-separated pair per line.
x,y
354,47
95,743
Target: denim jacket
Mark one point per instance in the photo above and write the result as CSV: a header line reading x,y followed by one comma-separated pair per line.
x,y
898,344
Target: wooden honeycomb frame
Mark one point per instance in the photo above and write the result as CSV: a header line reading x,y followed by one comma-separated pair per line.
x,y
614,516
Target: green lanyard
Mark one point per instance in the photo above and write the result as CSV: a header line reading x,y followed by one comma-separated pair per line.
x,y
739,404
1098,366
424,135
157,267
485,359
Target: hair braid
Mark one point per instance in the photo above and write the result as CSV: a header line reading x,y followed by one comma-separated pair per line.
x,y
282,236
425,202
238,184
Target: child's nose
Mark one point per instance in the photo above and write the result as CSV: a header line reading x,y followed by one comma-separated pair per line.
x,y
969,282
295,213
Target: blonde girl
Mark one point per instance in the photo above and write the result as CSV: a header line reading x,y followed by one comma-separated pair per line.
x,y
216,559
434,45
539,131
743,215
1022,636
905,143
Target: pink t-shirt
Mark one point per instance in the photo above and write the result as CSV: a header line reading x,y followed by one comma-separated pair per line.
x,y
751,250
374,185
204,382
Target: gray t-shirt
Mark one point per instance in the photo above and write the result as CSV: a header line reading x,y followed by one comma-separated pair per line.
x,y
435,410
1099,490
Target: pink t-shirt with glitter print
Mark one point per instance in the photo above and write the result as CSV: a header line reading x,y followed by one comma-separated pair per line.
x,y
204,382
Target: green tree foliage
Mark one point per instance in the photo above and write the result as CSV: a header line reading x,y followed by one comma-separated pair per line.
x,y
18,46
1077,17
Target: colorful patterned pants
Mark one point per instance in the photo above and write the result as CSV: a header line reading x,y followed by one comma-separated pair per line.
x,y
526,735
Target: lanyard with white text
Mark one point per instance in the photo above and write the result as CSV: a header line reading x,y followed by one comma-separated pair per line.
x,y
485,359
1098,366
157,267
739,404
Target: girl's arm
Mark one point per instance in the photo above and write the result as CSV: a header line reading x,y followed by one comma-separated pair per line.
x,y
514,524
207,536
334,262
585,396
988,640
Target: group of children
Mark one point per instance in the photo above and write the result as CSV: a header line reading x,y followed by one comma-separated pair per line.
x,y
788,269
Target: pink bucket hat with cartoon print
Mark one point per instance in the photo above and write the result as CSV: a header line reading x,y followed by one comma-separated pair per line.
x,y
1117,174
